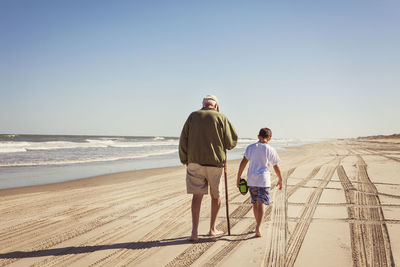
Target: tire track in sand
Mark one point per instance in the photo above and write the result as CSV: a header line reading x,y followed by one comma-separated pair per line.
x,y
296,239
276,255
81,229
303,182
370,241
24,234
377,153
278,227
191,254
135,252
139,253
112,236
278,244
248,232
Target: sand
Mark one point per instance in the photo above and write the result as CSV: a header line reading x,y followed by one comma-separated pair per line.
x,y
340,206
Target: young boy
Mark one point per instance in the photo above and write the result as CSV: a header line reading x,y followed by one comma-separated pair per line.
x,y
260,155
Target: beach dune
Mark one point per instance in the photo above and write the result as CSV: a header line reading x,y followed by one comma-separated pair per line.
x,y
340,206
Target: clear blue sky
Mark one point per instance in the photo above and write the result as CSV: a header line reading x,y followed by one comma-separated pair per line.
x,y
303,68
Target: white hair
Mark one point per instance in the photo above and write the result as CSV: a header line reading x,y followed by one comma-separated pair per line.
x,y
209,102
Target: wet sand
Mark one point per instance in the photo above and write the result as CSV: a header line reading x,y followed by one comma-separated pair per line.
x,y
340,206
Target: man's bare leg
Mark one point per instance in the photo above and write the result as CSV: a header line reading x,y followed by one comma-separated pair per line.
x,y
196,204
215,205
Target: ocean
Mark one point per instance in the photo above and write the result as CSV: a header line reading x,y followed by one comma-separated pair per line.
x,y
27,160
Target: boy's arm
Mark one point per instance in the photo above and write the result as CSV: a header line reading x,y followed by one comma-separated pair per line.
x,y
278,173
242,165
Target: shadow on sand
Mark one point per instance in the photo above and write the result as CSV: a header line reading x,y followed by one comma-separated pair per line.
x,y
128,245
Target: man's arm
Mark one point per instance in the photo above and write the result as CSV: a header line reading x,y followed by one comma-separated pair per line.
x,y
231,136
242,165
183,143
278,173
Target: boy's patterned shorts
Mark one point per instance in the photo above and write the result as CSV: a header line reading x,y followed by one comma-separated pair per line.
x,y
260,194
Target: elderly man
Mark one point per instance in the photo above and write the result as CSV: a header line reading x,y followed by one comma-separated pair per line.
x,y
205,137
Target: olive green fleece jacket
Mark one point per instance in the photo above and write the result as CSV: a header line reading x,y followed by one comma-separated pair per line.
x,y
205,137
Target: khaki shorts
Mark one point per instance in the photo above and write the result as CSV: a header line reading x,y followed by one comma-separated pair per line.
x,y
198,178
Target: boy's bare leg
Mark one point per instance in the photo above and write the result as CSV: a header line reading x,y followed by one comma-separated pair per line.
x,y
259,209
196,204
255,211
215,205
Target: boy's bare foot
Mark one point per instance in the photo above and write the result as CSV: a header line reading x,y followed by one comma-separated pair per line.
x,y
215,233
258,234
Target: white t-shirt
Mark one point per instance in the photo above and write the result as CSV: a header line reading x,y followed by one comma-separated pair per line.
x,y
260,156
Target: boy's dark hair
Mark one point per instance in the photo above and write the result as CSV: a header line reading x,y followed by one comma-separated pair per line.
x,y
265,133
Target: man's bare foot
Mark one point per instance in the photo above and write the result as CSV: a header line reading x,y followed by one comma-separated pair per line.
x,y
258,234
193,238
215,233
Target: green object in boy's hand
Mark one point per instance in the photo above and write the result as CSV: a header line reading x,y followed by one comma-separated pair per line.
x,y
243,188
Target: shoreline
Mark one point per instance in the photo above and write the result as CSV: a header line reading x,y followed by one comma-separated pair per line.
x,y
17,177
88,178
44,159
106,178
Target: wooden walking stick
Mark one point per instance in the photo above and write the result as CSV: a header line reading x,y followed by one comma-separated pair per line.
x,y
226,199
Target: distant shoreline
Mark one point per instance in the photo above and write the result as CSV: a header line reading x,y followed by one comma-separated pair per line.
x,y
392,136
